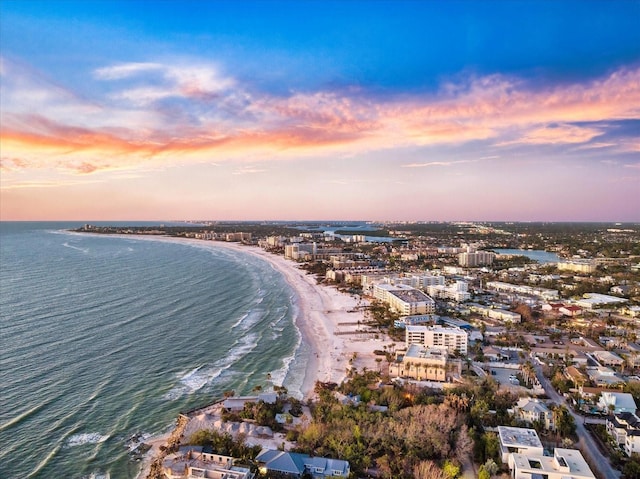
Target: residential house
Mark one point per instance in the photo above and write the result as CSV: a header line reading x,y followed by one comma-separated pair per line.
x,y
196,461
532,410
617,402
295,465
564,464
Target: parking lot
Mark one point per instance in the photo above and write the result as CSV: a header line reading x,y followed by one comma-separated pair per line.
x,y
506,378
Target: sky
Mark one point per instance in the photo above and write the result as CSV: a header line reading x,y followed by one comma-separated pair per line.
x,y
320,110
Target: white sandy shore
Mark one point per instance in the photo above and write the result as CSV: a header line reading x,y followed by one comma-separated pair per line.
x,y
322,312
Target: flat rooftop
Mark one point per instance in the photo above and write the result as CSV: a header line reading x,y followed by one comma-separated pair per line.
x,y
412,296
518,437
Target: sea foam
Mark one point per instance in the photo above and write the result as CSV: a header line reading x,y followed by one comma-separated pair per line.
x,y
86,438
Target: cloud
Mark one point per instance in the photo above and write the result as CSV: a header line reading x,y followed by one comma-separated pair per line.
x,y
557,134
248,170
160,81
430,163
153,114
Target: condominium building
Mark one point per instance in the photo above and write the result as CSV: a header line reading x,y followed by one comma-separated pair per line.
x,y
477,258
422,364
404,299
459,291
544,293
451,339
578,265
495,313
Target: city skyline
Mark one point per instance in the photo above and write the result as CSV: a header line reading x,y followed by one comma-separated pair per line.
x,y
443,111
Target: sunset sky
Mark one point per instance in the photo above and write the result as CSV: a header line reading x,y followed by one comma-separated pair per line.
x,y
292,110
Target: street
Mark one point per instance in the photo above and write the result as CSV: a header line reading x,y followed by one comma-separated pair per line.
x,y
599,463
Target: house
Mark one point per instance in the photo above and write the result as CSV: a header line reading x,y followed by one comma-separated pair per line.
x,y
617,402
518,440
571,311
533,410
608,358
294,464
564,464
196,461
619,424
237,403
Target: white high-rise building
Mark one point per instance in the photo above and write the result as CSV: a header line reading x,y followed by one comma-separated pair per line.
x,y
451,339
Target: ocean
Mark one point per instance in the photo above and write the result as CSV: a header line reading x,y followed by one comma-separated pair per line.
x,y
107,337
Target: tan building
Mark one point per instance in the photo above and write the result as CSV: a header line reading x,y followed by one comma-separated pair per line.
x,y
578,266
423,364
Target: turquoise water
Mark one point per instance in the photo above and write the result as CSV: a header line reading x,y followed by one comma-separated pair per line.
x,y
105,337
540,256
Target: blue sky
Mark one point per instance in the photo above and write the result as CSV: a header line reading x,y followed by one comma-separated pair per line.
x,y
376,101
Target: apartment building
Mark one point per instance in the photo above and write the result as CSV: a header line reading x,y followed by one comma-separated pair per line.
x,y
404,299
477,258
578,266
422,364
451,339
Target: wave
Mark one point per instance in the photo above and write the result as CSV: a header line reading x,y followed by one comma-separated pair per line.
x,y
21,417
86,438
77,248
200,377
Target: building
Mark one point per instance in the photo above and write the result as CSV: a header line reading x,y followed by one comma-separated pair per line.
x,y
452,339
617,402
405,321
593,300
495,313
518,440
533,410
564,464
459,291
294,464
578,266
544,293
608,358
195,461
423,364
624,428
477,258
404,299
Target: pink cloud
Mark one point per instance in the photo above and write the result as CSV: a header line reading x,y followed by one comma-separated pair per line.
x,y
69,131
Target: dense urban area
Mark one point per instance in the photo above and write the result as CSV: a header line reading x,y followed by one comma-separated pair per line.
x,y
513,351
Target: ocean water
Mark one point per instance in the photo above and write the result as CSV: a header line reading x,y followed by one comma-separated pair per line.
x,y
106,337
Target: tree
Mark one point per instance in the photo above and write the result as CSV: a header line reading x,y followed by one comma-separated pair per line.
x,y
565,424
428,470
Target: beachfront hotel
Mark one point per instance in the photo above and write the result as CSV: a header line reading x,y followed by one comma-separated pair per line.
x,y
453,340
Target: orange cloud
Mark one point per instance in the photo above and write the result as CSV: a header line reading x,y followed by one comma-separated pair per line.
x,y
86,137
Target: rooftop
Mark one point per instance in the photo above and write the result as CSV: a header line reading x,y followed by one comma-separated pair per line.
x,y
518,437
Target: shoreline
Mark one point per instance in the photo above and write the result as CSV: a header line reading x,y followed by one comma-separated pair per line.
x,y
322,312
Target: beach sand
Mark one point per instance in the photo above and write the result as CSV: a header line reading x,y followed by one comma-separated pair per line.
x,y
324,316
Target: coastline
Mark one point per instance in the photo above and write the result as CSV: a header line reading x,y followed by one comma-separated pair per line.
x,y
327,319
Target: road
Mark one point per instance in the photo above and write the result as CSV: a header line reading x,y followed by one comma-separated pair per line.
x,y
600,464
